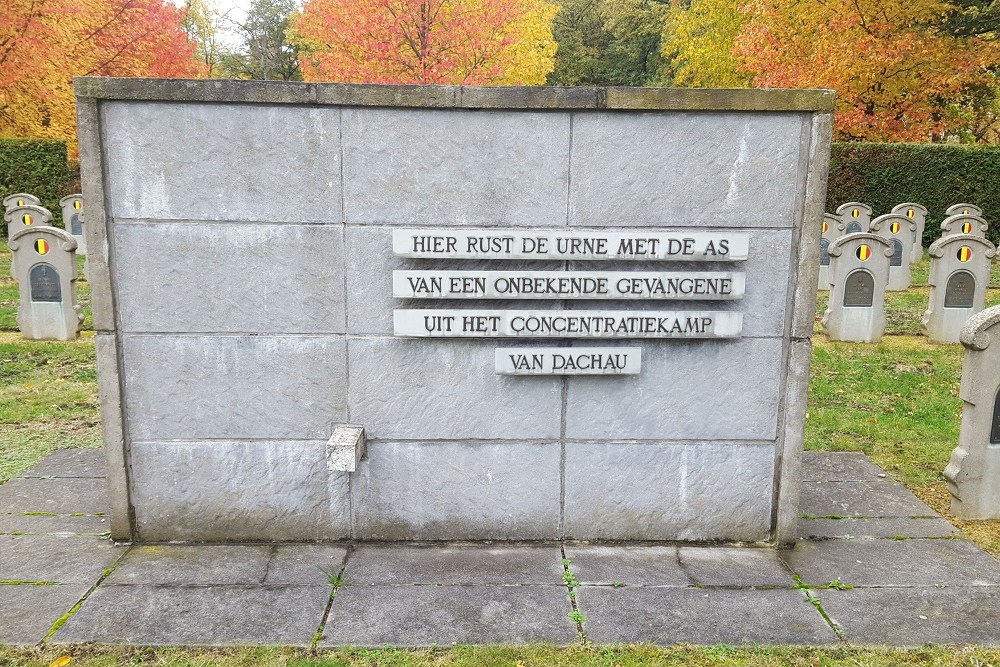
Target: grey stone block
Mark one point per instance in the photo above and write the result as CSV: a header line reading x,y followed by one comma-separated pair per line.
x,y
483,565
305,564
737,401
233,491
64,560
442,615
631,565
192,565
788,457
59,524
838,467
230,277
63,463
88,132
917,562
734,566
446,389
622,491
696,169
27,612
212,162
199,616
701,616
405,166
874,528
870,499
916,616
200,387
440,491
112,427
56,496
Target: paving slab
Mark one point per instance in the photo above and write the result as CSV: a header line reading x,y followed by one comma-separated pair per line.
x,y
734,566
629,565
701,616
192,565
916,616
839,467
916,562
455,564
874,528
61,559
69,463
873,499
54,524
27,612
305,564
442,615
197,615
57,496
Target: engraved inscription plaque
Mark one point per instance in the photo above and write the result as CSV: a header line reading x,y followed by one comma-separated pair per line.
x,y
75,228
995,431
960,291
824,252
897,253
854,228
859,290
43,281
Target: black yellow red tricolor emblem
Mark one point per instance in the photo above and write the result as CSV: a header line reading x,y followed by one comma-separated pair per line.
x,y
909,213
864,252
26,219
964,253
826,228
41,246
967,228
855,213
894,228
76,204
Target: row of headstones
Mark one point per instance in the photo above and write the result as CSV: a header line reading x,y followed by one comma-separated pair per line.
x,y
903,228
43,262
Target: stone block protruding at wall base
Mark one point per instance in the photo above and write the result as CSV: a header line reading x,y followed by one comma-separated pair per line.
x,y
44,265
345,448
898,231
973,474
918,214
859,271
959,275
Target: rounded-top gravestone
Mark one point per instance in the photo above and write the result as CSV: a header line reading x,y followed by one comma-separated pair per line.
x,y
22,217
859,271
959,275
829,234
963,209
72,215
898,231
964,223
20,199
854,217
918,214
43,263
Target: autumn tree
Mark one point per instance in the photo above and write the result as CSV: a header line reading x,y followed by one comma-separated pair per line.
x,y
499,42
266,51
698,43
204,24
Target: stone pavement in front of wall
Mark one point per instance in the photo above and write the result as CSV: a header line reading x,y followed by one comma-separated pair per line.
x,y
873,565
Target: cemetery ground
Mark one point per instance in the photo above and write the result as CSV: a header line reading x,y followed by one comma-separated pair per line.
x,y
896,401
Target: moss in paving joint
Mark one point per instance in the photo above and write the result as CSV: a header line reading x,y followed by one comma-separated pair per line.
x,y
23,582
576,616
815,601
39,513
336,579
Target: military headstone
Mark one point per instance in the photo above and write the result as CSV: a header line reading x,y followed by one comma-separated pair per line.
x,y
962,223
898,231
43,264
963,209
854,217
973,473
20,199
918,214
959,275
72,215
859,272
22,217
829,235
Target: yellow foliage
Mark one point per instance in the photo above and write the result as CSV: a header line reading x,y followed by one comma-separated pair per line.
x,y
532,55
699,43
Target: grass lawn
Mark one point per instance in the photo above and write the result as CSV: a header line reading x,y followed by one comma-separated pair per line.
x,y
897,401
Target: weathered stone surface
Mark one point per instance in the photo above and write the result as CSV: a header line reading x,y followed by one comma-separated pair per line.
x,y
630,565
406,166
886,527
232,491
443,615
916,616
790,439
305,564
56,524
345,448
730,403
916,562
838,467
859,273
439,491
196,387
734,566
450,564
958,278
118,470
697,169
192,565
871,499
256,162
230,277
71,463
88,132
625,491
64,560
27,612
446,389
200,616
701,616
56,496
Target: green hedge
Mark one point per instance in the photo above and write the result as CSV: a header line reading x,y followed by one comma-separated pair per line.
x,y
935,175
35,166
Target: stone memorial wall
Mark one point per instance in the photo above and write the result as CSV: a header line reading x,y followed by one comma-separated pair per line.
x,y
556,313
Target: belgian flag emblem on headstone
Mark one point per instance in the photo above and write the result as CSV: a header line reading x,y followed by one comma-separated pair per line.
x,y
41,246
964,253
967,228
855,213
864,252
894,228
26,219
909,213
826,228
76,204
20,202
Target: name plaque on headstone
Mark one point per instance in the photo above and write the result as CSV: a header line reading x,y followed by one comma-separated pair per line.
x,y
582,245
568,361
960,292
995,429
859,290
